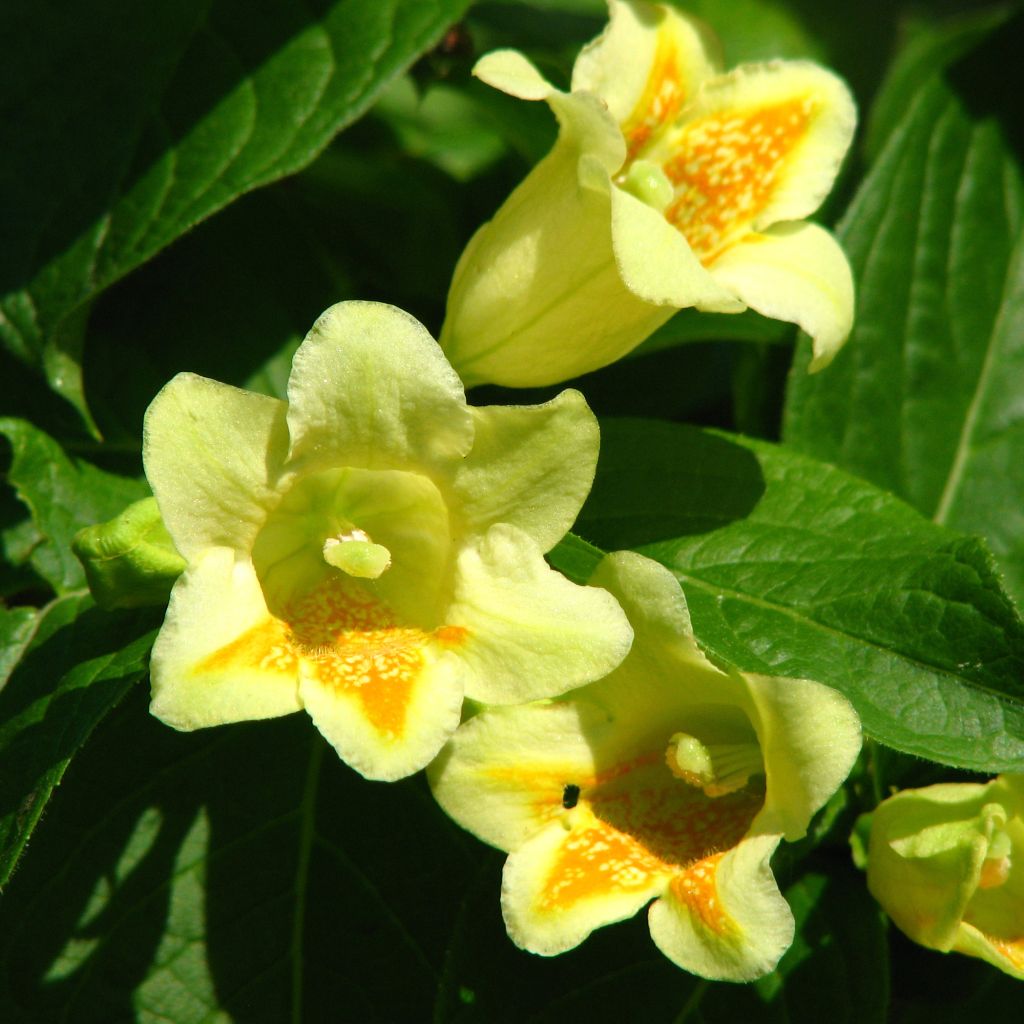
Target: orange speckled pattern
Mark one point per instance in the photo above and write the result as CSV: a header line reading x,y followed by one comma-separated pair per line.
x,y
661,100
697,889
646,827
599,861
358,650
352,642
726,167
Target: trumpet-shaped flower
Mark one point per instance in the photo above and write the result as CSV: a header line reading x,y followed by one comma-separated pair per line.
x,y
947,864
671,185
668,780
370,550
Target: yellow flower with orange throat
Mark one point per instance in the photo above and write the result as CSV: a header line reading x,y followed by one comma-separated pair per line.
x,y
671,781
671,185
372,549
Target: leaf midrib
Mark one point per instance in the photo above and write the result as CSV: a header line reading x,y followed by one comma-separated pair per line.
x,y
965,444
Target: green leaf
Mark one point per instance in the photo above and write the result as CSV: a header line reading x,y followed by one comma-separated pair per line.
x,y
76,663
16,627
441,125
791,567
174,879
932,45
178,879
128,124
258,274
925,398
753,30
63,495
933,988
241,327
837,968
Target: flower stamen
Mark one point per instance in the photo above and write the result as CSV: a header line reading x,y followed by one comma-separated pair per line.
x,y
717,769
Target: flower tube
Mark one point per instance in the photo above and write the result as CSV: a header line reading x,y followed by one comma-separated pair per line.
x,y
671,185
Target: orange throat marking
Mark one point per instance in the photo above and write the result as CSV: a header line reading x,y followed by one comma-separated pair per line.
x,y
727,167
661,100
353,645
697,889
641,830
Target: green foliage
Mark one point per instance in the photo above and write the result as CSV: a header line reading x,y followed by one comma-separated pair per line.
x,y
175,196
76,665
129,124
209,890
793,568
62,495
924,400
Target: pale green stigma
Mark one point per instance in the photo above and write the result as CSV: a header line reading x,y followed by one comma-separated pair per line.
x,y
649,183
717,769
354,553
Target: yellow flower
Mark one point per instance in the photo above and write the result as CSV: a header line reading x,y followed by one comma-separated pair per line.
x,y
372,549
947,864
670,185
669,779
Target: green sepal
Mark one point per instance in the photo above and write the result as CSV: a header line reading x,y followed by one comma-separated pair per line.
x,y
129,561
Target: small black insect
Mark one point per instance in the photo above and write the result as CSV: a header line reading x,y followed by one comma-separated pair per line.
x,y
570,795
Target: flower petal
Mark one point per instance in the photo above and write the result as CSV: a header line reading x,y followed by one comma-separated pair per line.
x,y
512,73
386,696
531,633
585,126
636,827
810,738
1007,955
926,854
809,734
212,455
503,775
724,917
795,272
757,146
531,466
657,264
220,656
561,885
536,297
656,606
369,387
401,510
646,65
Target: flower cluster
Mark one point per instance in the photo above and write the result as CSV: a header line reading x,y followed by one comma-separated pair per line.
x,y
371,550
